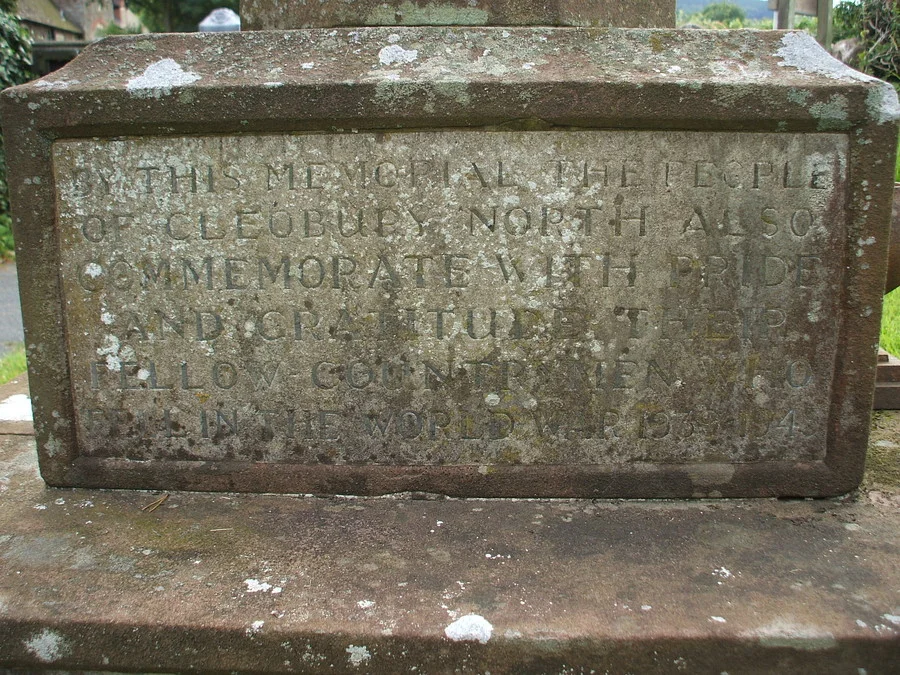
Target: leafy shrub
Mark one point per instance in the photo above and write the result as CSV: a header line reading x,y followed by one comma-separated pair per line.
x,y
876,24
15,61
115,29
846,19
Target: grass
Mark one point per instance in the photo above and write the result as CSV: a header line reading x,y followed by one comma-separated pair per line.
x,y
13,364
897,169
890,316
890,323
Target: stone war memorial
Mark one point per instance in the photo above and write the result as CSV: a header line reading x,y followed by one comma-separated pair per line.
x,y
447,280
475,261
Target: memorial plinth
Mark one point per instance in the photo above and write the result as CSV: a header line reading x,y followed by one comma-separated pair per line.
x,y
480,262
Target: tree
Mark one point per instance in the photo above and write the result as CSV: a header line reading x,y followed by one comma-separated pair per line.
x,y
724,12
179,16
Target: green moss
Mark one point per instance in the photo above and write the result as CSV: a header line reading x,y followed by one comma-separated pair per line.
x,y
883,466
831,116
798,96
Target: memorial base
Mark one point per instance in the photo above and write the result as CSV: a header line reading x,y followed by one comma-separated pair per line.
x,y
101,580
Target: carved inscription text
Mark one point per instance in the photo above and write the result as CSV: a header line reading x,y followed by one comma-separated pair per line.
x,y
456,297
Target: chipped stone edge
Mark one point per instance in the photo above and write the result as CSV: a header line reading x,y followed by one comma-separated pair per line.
x,y
800,50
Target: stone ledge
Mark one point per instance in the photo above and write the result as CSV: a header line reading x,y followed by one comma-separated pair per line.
x,y
14,427
214,582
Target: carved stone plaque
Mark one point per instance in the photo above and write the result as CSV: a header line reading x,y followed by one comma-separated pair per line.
x,y
453,297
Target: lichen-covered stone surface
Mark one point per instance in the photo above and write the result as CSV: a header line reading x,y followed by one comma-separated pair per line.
x,y
495,262
262,583
546,297
281,14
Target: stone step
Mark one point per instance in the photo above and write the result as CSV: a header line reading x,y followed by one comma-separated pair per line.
x,y
888,367
887,382
137,581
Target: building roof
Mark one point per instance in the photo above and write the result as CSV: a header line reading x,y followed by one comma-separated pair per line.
x,y
44,12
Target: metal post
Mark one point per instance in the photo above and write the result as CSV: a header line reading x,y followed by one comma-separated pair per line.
x,y
785,19
823,34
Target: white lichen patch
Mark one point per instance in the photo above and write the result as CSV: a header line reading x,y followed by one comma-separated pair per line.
x,y
813,315
16,408
722,573
786,633
55,84
470,628
255,627
801,51
365,604
159,78
107,318
93,270
47,646
396,54
357,655
52,447
110,350
256,586
893,618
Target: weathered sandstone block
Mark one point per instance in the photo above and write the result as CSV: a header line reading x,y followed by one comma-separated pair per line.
x,y
493,262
